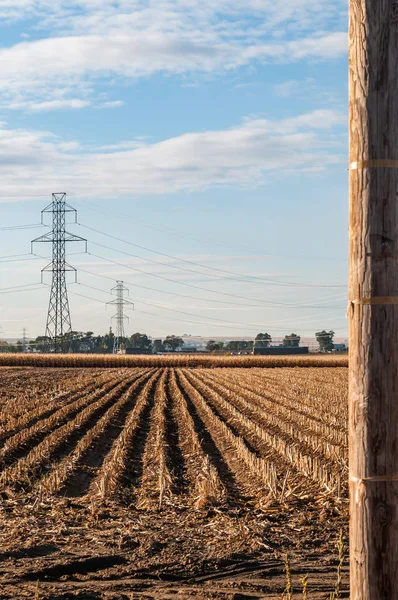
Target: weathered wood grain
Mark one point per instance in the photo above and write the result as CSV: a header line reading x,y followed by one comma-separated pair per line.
x,y
373,219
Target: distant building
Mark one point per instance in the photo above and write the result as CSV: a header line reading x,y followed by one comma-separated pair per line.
x,y
281,350
188,349
340,348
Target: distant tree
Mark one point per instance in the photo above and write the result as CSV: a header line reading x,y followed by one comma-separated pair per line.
x,y
173,343
42,343
72,340
157,346
107,341
325,340
213,346
291,341
263,340
232,346
239,346
140,340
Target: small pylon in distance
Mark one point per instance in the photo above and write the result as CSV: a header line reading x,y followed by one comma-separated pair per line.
x,y
120,302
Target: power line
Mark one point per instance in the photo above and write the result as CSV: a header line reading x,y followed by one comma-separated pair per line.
x,y
173,318
245,325
190,285
30,289
124,216
15,287
268,302
28,256
15,227
14,255
19,260
145,287
247,278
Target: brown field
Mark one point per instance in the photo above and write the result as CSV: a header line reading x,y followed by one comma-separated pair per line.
x,y
171,360
163,481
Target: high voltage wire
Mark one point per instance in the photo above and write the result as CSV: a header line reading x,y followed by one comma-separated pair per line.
x,y
178,311
124,216
247,278
16,287
267,302
156,262
157,276
14,255
29,257
28,289
257,280
15,227
246,325
171,318
235,277
20,260
167,318
145,287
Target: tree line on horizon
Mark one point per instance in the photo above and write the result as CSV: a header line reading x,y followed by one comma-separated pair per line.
x,y
103,344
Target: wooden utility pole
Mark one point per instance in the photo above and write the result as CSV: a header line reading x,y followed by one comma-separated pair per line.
x,y
373,294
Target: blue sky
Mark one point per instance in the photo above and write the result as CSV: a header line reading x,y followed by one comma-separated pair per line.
x,y
210,135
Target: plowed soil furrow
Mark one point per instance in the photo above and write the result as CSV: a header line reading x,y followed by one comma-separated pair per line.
x,y
302,399
274,399
254,443
31,399
274,417
200,476
308,390
115,477
209,442
156,482
242,427
21,443
300,454
308,441
131,476
48,408
59,443
89,456
174,456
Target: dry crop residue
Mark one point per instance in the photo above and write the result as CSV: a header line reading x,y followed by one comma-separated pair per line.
x,y
150,482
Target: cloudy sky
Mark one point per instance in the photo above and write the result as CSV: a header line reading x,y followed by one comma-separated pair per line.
x,y
204,147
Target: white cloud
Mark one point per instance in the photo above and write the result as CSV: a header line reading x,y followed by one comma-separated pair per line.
x,y
73,103
36,161
112,104
100,39
302,13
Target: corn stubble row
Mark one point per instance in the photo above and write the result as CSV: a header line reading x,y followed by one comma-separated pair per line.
x,y
172,360
161,437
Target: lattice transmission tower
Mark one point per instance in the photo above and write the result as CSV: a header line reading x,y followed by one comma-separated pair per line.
x,y
59,323
24,339
120,302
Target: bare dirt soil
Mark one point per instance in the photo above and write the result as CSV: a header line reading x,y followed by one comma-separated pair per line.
x,y
167,483
67,549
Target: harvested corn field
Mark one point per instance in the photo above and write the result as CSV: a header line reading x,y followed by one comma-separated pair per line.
x,y
177,359
148,482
